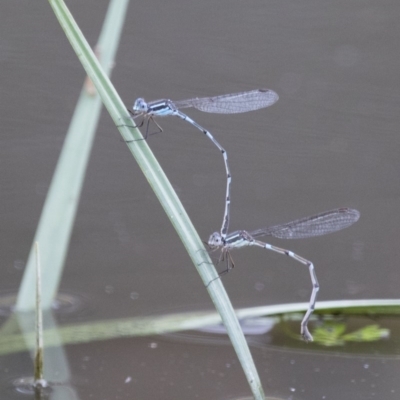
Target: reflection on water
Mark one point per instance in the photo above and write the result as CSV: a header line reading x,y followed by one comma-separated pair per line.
x,y
63,304
28,386
125,364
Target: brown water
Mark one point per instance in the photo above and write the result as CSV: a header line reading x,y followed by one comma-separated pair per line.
x,y
330,141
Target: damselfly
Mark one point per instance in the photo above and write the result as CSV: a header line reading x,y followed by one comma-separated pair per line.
x,y
316,225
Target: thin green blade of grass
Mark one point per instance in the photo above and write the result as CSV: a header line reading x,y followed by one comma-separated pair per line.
x,y
38,360
58,215
163,191
147,326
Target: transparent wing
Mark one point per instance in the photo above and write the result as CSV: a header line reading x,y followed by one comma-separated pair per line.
x,y
316,225
232,103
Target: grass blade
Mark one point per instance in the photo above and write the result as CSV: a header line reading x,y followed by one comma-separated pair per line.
x,y
163,190
58,214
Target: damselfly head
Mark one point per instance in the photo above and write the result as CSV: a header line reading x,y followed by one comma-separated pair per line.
x,y
215,240
139,106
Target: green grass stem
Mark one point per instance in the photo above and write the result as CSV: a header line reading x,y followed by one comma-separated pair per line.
x,y
163,190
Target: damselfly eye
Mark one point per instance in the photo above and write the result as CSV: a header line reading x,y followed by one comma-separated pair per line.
x,y
215,240
140,105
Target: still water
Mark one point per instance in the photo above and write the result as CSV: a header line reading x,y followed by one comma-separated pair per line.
x,y
330,141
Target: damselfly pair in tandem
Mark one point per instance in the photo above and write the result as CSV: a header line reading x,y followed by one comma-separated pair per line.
x,y
316,225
